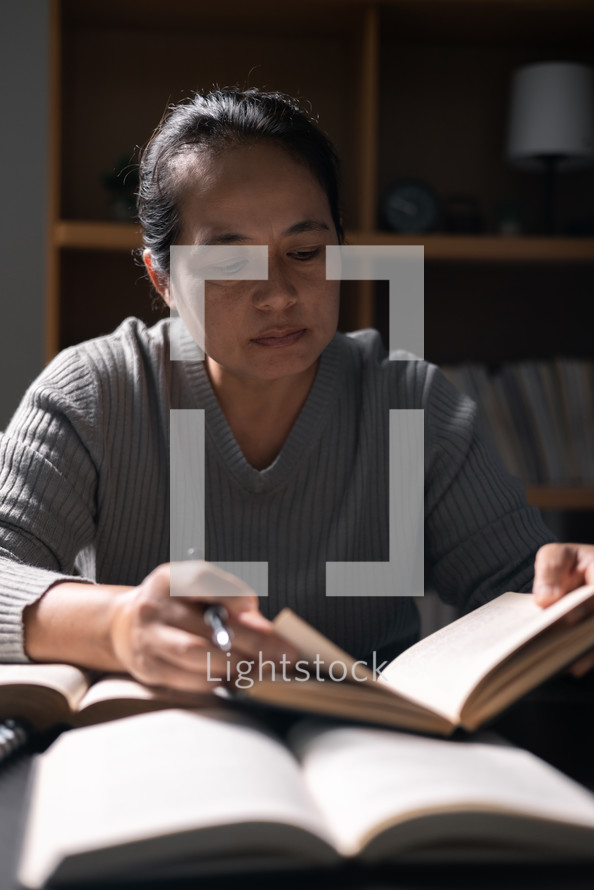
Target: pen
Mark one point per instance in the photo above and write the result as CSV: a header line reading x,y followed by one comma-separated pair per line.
x,y
215,617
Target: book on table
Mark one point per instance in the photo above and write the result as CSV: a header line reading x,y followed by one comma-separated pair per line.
x,y
198,793
460,676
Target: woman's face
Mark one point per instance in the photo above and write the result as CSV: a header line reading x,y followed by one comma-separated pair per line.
x,y
259,195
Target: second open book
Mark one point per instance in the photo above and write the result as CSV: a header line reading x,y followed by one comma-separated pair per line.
x,y
460,676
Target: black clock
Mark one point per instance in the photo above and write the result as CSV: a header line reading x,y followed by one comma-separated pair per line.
x,y
410,205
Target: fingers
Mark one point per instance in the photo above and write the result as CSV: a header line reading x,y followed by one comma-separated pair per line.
x,y
252,633
188,613
253,636
204,582
559,568
180,660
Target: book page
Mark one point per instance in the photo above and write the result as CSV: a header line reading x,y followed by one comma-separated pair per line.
x,y
441,670
367,780
164,786
311,644
69,681
45,694
119,696
359,694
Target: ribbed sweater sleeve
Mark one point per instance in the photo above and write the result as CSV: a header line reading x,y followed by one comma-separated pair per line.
x,y
47,490
84,472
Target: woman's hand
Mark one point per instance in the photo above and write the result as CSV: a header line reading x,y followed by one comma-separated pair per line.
x,y
163,640
559,568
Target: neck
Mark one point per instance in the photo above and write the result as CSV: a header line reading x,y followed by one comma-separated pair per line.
x,y
261,413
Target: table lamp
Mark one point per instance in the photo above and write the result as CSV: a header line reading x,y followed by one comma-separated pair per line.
x,y
551,123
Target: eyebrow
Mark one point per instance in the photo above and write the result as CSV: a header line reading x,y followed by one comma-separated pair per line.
x,y
306,225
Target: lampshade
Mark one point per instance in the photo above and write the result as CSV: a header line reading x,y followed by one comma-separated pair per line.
x,y
552,116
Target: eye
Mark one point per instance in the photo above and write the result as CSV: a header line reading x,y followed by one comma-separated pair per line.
x,y
307,254
230,269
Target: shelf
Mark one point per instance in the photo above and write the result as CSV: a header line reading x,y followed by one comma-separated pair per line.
x,y
488,248
85,235
89,235
551,497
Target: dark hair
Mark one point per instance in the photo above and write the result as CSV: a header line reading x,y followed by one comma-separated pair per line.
x,y
213,121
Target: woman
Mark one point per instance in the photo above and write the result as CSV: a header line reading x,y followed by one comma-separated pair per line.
x,y
292,475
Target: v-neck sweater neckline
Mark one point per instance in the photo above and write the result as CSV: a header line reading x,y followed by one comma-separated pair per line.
x,y
307,428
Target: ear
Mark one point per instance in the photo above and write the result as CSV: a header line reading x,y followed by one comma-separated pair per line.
x,y
160,286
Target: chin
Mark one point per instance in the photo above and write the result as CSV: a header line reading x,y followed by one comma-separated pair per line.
x,y
277,370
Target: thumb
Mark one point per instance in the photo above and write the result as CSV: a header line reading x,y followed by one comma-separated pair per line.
x,y
557,570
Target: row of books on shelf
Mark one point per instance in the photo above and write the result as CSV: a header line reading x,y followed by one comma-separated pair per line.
x,y
540,415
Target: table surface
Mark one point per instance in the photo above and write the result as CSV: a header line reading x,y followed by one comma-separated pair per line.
x,y
555,722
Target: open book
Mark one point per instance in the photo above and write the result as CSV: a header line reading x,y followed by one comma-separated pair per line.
x,y
195,793
460,676
46,695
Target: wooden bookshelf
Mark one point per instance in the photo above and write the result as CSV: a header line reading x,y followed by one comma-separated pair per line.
x,y
405,89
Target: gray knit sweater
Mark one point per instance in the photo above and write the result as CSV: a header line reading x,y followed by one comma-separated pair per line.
x,y
84,486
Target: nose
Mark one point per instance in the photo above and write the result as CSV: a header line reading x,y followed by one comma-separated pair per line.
x,y
277,292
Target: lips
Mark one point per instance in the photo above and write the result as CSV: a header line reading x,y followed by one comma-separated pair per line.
x,y
279,337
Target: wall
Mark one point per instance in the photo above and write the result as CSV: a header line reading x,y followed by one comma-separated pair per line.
x,y
24,68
